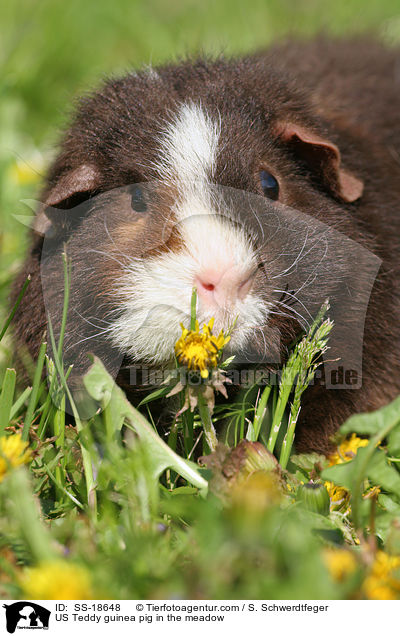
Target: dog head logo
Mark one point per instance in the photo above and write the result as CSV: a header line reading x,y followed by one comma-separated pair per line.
x,y
26,615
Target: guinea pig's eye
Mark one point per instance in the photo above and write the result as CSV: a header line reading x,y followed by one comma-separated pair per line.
x,y
138,202
269,184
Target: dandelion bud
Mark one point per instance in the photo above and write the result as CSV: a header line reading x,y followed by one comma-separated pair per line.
x,y
257,457
315,497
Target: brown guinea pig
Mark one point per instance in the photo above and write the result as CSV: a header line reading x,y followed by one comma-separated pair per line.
x,y
218,174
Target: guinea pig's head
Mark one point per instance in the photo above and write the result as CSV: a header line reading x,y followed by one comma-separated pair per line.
x,y
182,178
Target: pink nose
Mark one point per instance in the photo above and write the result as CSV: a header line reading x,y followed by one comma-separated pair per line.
x,y
222,288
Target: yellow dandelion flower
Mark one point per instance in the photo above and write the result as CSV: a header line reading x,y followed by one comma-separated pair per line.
x,y
383,581
340,563
54,580
374,491
347,450
13,453
200,351
337,494
374,590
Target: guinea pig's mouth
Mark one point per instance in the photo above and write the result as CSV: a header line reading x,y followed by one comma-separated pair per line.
x,y
149,336
154,293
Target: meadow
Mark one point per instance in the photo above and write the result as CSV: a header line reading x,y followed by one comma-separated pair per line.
x,y
105,507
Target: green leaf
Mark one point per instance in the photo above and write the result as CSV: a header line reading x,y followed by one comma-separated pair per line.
x,y
6,398
341,474
377,470
317,521
183,490
250,435
389,504
372,423
307,461
393,445
227,362
381,473
383,525
102,388
23,508
155,395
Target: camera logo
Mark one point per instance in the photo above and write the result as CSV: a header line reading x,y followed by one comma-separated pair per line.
x,y
26,615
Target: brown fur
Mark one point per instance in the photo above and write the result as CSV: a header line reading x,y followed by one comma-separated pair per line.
x,y
344,92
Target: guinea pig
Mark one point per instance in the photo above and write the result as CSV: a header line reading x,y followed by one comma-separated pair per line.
x,y
312,128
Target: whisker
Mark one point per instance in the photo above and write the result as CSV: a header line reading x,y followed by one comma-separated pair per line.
x,y
295,298
91,323
281,313
303,321
302,255
95,335
298,257
107,255
264,339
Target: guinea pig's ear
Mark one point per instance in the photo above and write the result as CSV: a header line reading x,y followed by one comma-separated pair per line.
x,y
323,157
60,208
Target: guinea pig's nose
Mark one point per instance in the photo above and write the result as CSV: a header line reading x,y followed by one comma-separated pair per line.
x,y
223,287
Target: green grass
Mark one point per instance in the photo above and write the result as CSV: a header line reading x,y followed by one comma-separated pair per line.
x,y
131,518
114,500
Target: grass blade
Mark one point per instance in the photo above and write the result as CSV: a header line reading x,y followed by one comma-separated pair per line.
x,y
6,398
67,285
14,309
193,309
23,508
254,432
33,400
289,375
19,403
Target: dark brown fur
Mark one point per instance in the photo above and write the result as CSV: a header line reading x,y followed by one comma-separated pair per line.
x,y
346,92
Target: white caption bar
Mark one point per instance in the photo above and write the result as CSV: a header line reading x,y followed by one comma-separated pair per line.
x,y
175,617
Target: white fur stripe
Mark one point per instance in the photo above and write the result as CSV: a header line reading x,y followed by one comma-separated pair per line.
x,y
155,292
189,146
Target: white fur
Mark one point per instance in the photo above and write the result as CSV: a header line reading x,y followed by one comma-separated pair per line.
x,y
151,72
155,293
156,298
188,147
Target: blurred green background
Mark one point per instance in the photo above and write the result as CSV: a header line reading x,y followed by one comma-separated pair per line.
x,y
51,51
